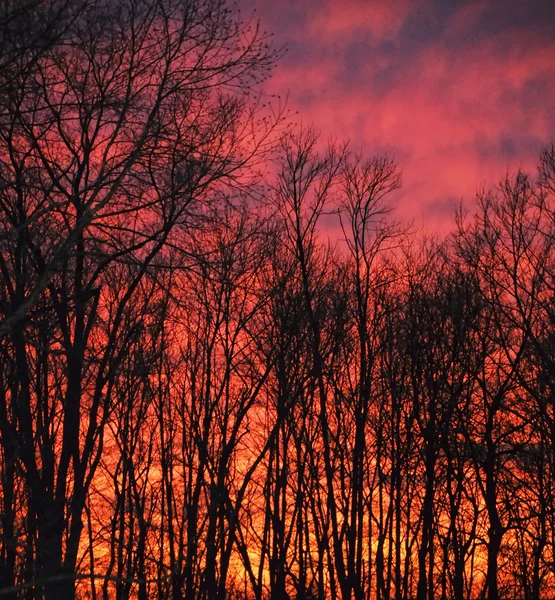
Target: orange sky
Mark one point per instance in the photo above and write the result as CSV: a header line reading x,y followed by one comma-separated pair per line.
x,y
457,91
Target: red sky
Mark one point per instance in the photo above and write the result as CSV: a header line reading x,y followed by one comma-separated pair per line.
x,y
456,91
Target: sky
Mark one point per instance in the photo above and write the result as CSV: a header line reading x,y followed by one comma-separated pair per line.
x,y
458,92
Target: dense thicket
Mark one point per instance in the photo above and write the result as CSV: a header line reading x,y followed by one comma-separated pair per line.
x,y
200,395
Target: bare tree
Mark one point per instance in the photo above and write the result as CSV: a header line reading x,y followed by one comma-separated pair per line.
x,y
121,127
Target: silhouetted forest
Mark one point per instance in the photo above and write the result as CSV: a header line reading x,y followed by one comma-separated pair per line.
x,y
206,394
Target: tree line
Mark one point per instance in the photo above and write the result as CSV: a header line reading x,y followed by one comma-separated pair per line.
x,y
201,395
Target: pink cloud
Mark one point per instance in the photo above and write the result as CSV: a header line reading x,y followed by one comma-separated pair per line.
x,y
445,116
382,19
456,112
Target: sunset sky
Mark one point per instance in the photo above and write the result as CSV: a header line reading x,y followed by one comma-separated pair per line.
x,y
456,91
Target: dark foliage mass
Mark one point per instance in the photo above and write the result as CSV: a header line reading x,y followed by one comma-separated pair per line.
x,y
200,395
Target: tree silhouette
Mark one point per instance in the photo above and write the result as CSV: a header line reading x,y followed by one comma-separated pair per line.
x,y
202,395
